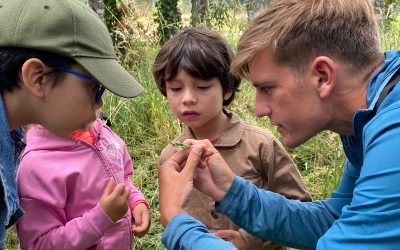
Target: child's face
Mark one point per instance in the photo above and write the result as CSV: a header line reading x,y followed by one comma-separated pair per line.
x,y
195,102
70,104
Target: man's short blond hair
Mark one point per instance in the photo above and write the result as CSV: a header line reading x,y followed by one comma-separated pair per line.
x,y
299,30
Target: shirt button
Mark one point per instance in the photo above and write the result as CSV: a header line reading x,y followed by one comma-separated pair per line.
x,y
214,214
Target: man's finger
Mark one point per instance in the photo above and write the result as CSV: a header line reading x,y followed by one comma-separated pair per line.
x,y
206,144
179,157
193,161
224,234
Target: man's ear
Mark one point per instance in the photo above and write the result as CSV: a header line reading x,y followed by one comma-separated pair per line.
x,y
324,71
33,74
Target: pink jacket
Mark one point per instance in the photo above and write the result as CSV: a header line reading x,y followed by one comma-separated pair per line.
x,y
60,183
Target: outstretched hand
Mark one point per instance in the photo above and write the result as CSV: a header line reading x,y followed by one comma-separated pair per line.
x,y
175,183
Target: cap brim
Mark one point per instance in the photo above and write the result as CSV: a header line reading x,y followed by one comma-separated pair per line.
x,y
111,75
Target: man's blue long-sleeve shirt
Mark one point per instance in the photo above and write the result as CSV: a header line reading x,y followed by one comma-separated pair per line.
x,y
364,211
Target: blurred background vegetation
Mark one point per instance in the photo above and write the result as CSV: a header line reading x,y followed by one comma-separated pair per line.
x,y
138,27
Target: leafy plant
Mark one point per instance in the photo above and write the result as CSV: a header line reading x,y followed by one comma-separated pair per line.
x,y
168,18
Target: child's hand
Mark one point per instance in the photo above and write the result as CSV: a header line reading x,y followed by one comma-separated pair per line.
x,y
115,200
233,237
141,218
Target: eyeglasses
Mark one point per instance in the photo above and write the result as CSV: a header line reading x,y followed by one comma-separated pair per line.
x,y
100,90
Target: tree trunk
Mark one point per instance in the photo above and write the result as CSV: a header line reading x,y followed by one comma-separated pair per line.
x,y
199,11
253,7
98,7
168,18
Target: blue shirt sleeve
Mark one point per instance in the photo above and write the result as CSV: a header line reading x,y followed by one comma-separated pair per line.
x,y
184,232
271,216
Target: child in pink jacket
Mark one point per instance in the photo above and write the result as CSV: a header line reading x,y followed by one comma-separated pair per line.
x,y
76,192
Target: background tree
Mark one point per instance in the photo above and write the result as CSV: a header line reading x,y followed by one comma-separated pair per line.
x,y
98,7
110,11
112,16
386,7
253,7
168,18
378,4
199,11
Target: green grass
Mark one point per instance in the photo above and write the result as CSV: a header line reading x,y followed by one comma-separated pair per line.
x,y
146,125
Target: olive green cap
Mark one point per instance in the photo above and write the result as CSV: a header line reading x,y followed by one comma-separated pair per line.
x,y
69,28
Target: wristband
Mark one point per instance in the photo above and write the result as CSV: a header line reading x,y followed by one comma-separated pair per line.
x,y
139,202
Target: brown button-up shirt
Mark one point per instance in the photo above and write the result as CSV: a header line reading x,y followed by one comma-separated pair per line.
x,y
256,155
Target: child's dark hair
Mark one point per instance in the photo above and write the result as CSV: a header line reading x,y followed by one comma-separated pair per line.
x,y
12,59
201,53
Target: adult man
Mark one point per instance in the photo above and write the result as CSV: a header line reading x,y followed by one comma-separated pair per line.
x,y
316,65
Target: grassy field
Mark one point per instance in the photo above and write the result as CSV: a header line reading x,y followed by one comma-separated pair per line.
x,y
147,125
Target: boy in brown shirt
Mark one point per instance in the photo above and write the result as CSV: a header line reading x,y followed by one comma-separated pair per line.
x,y
192,71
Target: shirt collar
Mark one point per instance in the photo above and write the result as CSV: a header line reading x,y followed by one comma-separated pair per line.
x,y
231,134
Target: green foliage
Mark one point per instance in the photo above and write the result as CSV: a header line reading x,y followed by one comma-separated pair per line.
x,y
112,15
168,18
146,124
391,33
388,13
219,12
390,24
136,35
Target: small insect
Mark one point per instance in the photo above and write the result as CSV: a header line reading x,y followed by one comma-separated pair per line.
x,y
179,144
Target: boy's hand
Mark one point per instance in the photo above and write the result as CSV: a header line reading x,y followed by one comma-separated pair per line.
x,y
141,217
233,237
115,200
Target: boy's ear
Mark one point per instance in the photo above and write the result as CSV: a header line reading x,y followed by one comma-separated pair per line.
x,y
33,72
227,95
323,73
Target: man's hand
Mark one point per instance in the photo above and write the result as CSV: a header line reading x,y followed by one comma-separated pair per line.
x,y
175,183
233,237
215,177
114,201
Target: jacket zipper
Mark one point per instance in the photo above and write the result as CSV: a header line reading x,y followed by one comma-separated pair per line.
x,y
98,149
